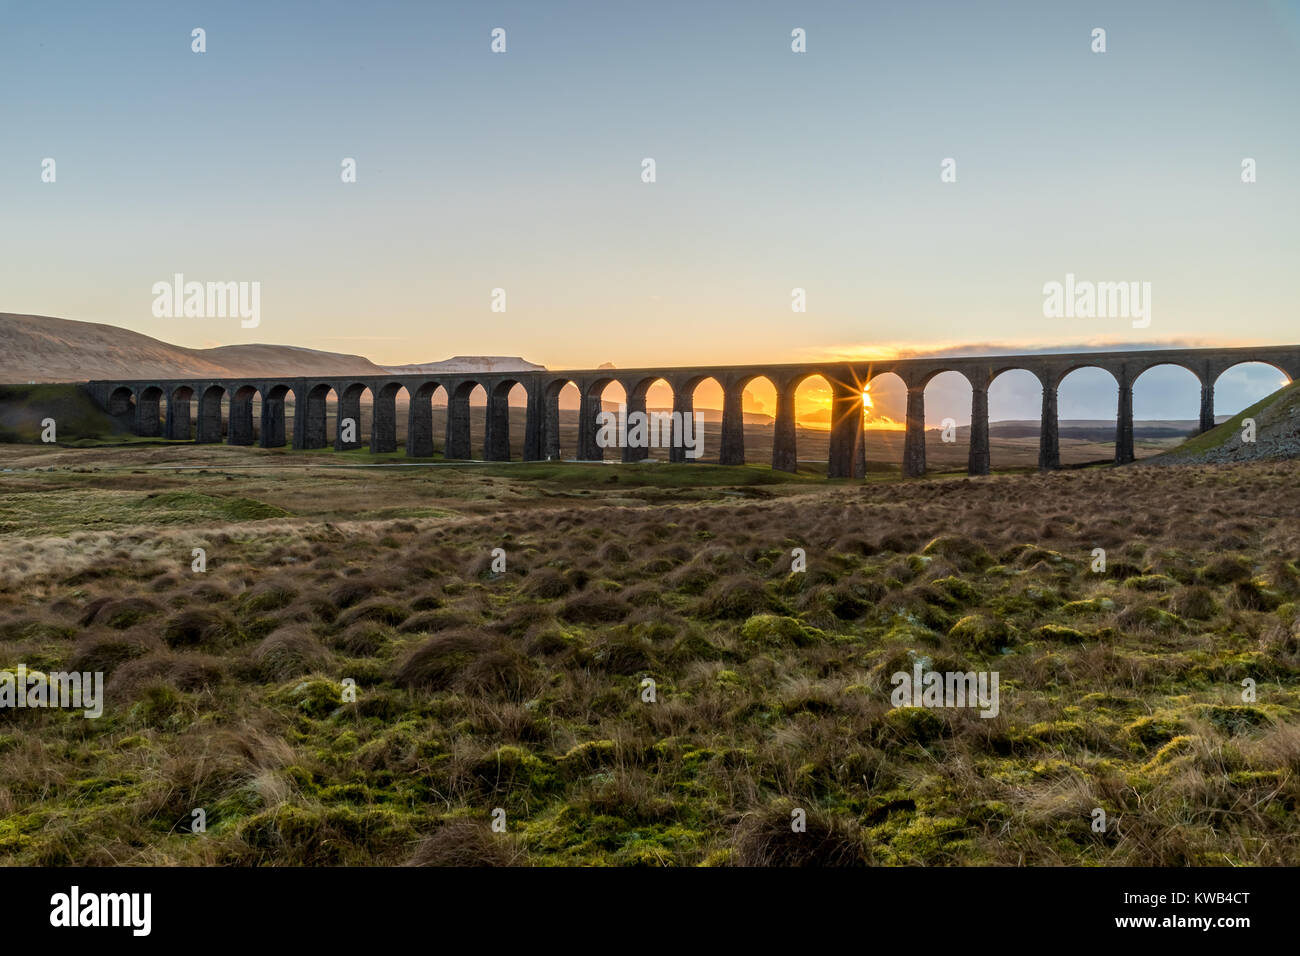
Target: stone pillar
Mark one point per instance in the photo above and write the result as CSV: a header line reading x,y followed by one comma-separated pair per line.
x,y
636,403
383,424
732,451
534,423
588,426
1207,403
419,424
147,422
683,412
1124,425
457,445
178,418
977,462
551,425
240,431
209,424
309,418
272,422
846,430
350,407
1049,436
496,437
914,438
784,444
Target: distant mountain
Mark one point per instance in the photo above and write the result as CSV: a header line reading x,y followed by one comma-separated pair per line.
x,y
40,348
468,363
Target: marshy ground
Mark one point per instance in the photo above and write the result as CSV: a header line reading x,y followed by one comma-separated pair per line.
x,y
523,691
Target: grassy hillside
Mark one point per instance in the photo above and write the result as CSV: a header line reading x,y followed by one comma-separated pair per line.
x,y
1277,420
77,418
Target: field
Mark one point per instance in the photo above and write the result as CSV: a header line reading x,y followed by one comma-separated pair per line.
x,y
519,694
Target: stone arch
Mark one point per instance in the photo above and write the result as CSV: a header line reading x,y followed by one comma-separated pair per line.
x,y
178,413
496,431
274,428
459,441
1087,391
893,410
121,402
693,435
350,409
1139,406
240,429
148,418
950,408
383,421
1247,382
808,396
210,419
420,420
310,415
1014,392
552,413
649,422
589,417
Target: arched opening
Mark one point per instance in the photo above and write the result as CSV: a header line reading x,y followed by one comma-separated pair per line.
x,y
1165,400
1015,407
884,422
384,412
812,418
353,416
1242,385
562,402
1087,403
179,425
277,417
244,407
149,412
947,420
749,435
508,400
421,422
460,433
651,436
210,415
599,420
703,399
121,403
311,420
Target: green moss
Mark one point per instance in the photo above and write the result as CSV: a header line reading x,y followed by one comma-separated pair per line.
x,y
316,698
1150,582
912,725
773,630
1154,730
1060,633
981,634
1236,719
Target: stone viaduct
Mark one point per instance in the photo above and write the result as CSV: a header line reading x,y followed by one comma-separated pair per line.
x,y
847,380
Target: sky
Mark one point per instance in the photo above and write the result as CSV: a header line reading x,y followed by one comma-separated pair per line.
x,y
774,171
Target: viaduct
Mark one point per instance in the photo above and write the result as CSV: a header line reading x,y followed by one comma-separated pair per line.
x,y
141,399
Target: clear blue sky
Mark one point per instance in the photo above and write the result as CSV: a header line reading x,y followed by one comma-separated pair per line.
x,y
775,170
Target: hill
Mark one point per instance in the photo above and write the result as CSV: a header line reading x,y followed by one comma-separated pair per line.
x,y
39,348
1277,434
